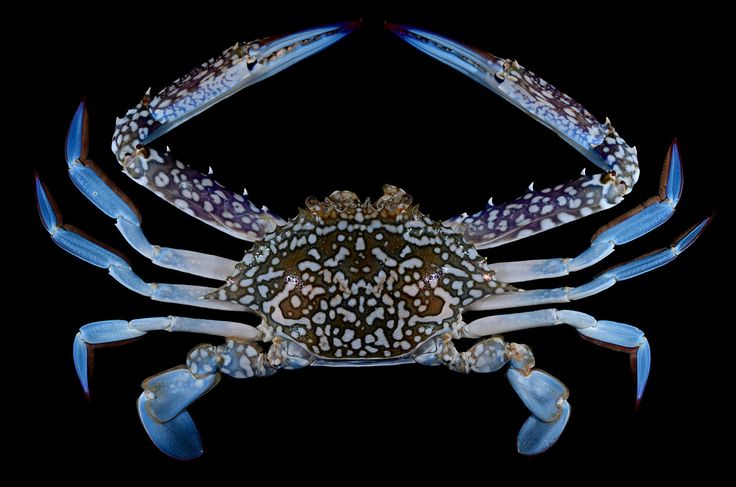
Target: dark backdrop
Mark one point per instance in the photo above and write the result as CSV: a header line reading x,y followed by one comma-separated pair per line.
x,y
368,111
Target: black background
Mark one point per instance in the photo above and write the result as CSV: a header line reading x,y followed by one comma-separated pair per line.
x,y
368,111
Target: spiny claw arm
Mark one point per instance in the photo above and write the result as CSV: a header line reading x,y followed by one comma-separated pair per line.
x,y
624,229
536,211
193,192
238,67
200,196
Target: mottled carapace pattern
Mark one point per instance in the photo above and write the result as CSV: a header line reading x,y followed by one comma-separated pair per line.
x,y
354,280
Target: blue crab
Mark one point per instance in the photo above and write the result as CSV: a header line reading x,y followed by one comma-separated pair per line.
x,y
350,282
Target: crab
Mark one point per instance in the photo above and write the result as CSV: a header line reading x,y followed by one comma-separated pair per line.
x,y
351,282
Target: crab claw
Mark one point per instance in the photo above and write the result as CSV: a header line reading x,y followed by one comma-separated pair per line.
x,y
597,141
478,65
236,68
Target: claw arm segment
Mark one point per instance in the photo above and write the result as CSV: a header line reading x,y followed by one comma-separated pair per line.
x,y
601,282
608,334
624,229
189,190
597,141
237,67
536,211
200,196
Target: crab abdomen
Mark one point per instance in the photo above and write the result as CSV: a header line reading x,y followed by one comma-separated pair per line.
x,y
352,281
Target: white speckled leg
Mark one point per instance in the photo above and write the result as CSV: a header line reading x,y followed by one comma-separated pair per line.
x,y
600,283
544,396
162,405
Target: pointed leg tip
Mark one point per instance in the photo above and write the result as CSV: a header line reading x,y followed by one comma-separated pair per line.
x,y
674,151
80,353
672,175
76,137
39,184
46,208
692,234
704,223
708,220
81,107
642,366
675,155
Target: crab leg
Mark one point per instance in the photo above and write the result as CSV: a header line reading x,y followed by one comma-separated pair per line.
x,y
609,334
93,184
639,221
112,332
162,405
191,191
536,211
544,396
600,283
81,246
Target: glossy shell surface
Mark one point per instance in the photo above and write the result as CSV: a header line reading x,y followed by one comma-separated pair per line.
x,y
351,280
